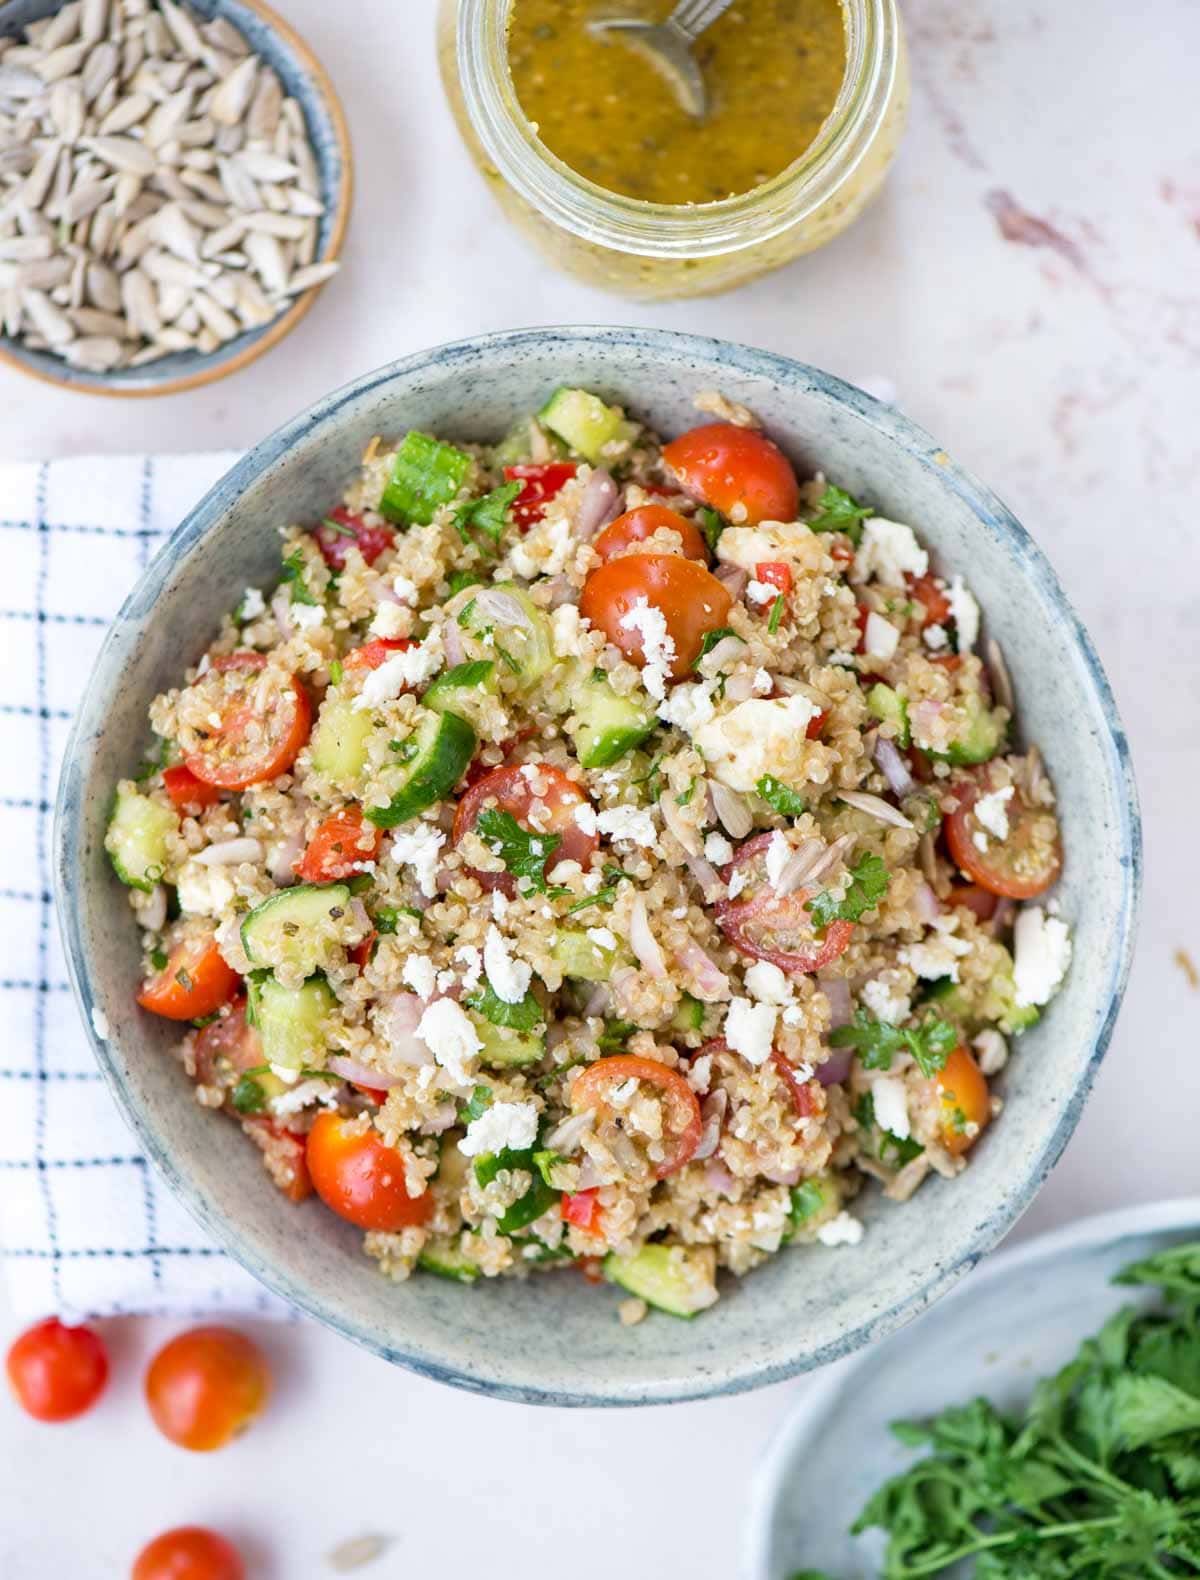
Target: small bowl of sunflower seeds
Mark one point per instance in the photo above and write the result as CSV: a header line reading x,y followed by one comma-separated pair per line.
x,y
175,184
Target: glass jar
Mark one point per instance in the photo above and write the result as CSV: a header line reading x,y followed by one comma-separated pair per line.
x,y
660,250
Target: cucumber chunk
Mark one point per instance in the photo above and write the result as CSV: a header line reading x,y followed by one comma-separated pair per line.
x,y
462,689
297,927
516,447
441,750
443,1257
980,741
339,742
425,474
584,421
522,647
813,1202
504,1048
578,956
892,708
689,1016
291,1021
136,839
681,1280
606,726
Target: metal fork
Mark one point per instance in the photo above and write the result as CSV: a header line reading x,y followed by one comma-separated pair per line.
x,y
669,45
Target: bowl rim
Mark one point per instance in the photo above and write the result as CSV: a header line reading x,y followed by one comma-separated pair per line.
x,y
82,382
769,1476
782,372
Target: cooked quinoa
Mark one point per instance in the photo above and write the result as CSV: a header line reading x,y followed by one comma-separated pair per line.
x,y
596,852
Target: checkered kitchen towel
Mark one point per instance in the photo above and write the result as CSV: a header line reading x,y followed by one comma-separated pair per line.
x,y
85,1225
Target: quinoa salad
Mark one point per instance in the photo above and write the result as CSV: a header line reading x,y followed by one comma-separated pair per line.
x,y
597,852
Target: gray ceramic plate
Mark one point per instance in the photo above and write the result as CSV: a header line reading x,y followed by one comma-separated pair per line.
x,y
1022,1316
557,1340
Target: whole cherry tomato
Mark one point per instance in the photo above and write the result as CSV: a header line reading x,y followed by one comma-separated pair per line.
x,y
737,471
206,1386
691,600
635,526
189,1553
360,1178
57,1372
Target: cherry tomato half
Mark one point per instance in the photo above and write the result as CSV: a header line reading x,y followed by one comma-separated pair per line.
x,y
257,736
966,1106
194,982
376,652
186,791
516,790
635,526
539,484
285,1155
727,466
360,1178
351,532
932,598
692,601
769,926
1019,867
774,573
583,1210
227,1047
683,1126
189,1553
57,1372
980,902
339,847
204,1387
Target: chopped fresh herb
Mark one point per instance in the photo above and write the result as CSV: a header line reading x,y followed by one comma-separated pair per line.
x,y
385,920
248,1096
778,797
711,525
777,609
544,1081
457,580
615,1035
599,674
877,1041
294,572
837,511
544,1162
340,527
487,515
474,672
318,1075
335,672
478,1103
359,882
524,854
518,1017
536,1199
682,800
509,659
604,896
206,1020
405,750
899,1150
808,1198
869,879
710,640
158,959
464,614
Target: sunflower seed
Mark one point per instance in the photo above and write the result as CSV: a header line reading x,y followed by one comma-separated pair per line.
x,y
209,216
266,259
122,153
103,288
232,99
264,167
93,20
42,275
62,28
63,62
167,117
101,68
20,249
183,29
306,250
54,327
95,353
288,227
314,274
207,185
128,190
223,239
128,112
10,307
301,203
225,36
239,188
138,301
133,53
198,134
91,321
85,198
265,108
66,109
215,318
37,182
176,339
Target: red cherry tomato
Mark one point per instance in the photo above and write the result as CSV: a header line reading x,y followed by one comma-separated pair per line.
x,y
727,466
360,955
284,1155
227,1047
186,791
257,737
934,603
206,1386
768,926
539,484
515,790
1019,867
351,532
583,1210
692,601
775,574
360,1178
194,982
189,1553
57,1372
635,526
376,652
981,902
966,1106
339,847
683,1126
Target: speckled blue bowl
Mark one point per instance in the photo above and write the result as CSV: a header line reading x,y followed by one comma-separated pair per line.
x,y
556,1340
305,80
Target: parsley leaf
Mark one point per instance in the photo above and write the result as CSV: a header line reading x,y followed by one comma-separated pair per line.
x,y
778,797
712,526
294,572
877,1041
487,515
248,1096
777,609
478,1103
839,512
710,640
340,527
524,854
869,879
615,1035
518,1017
605,896
460,579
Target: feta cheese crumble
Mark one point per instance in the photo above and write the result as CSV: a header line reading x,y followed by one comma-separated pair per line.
x,y
758,737
891,1106
417,846
992,811
633,823
965,611
768,983
842,1230
447,1032
750,1029
421,975
602,937
510,978
889,551
585,817
935,638
308,616
761,592
503,1125
938,953
412,667
391,620
881,638
717,849
884,1002
1042,951
689,706
778,855
658,649
253,604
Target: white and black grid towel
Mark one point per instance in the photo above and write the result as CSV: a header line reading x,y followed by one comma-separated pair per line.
x,y
86,1227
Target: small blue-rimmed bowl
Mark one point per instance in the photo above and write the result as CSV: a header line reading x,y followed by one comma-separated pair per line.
x,y
556,1340
304,79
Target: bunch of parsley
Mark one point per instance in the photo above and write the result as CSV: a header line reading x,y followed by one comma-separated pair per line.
x,y
1099,1478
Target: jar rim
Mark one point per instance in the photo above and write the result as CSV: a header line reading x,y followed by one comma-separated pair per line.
x,y
671,230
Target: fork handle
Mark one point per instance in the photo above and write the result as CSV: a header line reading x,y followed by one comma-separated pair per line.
x,y
691,17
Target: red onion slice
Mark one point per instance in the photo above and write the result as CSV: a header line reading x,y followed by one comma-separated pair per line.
x,y
643,942
281,605
718,1177
926,904
229,853
452,643
893,768
712,1117
710,982
837,991
707,876
923,717
836,1068
501,608
733,578
361,1074
598,504
397,1019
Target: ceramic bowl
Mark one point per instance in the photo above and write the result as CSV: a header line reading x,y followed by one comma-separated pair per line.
x,y
1020,1318
304,79
558,1340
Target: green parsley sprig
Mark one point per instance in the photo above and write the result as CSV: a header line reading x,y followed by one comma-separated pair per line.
x,y
524,854
877,1042
869,879
838,511
486,517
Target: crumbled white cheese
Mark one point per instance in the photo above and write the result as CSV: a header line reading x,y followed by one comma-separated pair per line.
x,y
881,638
754,738
979,839
1042,953
421,975
566,627
510,978
763,684
253,604
473,961
445,981
750,547
767,983
500,905
717,849
585,817
992,811
417,846
503,1125
935,637
284,1073
750,1029
633,823
842,1230
891,1106
689,706
938,953
779,853
99,1022
404,589
602,937
699,1075
992,1051
761,592
889,551
391,620
658,649
737,882
884,1002
793,1015
300,1096
965,611
308,616
203,890
412,667
447,1032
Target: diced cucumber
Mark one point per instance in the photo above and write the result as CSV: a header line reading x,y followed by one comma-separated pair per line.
x,y
981,739
426,473
291,1021
453,1165
892,708
136,839
297,926
584,421
689,1016
443,1257
539,1198
516,447
813,1202
681,1280
441,750
339,742
504,1048
462,689
606,726
524,648
578,956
